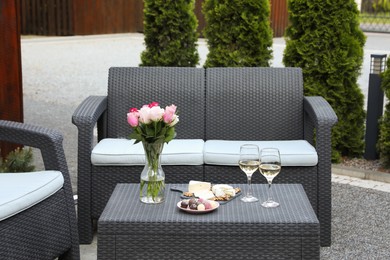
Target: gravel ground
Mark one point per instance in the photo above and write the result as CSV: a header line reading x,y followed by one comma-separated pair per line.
x,y
372,165
360,224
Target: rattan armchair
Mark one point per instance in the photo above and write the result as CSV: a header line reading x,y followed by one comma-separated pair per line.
x,y
48,229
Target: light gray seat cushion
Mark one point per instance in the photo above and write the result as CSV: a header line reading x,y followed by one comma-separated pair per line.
x,y
292,153
113,151
20,191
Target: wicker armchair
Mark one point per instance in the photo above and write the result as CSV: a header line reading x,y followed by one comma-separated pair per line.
x,y
47,229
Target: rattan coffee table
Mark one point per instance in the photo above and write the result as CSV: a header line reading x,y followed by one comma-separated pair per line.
x,y
129,229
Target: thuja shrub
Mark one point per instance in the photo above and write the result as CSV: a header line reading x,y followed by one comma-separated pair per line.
x,y
19,160
170,33
384,127
238,33
325,40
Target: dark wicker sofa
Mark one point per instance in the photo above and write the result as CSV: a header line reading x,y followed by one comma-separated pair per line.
x,y
215,103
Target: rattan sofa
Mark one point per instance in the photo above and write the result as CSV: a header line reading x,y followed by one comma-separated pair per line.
x,y
36,221
223,104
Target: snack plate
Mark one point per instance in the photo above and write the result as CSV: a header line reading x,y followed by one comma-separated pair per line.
x,y
219,201
194,211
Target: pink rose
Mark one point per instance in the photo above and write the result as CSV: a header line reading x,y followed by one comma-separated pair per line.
x,y
169,114
153,104
132,118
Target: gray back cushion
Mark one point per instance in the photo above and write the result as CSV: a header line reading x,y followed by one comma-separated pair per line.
x,y
136,86
254,103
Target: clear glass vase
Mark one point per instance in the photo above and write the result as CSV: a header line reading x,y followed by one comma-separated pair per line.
x,y
152,185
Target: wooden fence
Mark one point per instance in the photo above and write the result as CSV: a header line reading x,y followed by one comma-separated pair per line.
x,y
46,17
84,17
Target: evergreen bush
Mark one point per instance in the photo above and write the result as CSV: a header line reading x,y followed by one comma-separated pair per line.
x,y
170,33
384,127
18,160
238,33
325,40
381,6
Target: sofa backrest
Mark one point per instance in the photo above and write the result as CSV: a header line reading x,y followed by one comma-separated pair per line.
x,y
136,86
254,103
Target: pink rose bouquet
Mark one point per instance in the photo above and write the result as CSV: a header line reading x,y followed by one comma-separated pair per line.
x,y
153,124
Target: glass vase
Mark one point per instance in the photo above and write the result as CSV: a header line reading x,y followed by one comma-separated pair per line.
x,y
152,185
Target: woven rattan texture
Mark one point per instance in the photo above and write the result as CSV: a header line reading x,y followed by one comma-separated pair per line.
x,y
40,233
254,104
104,180
323,118
86,116
49,228
243,230
220,103
134,87
307,176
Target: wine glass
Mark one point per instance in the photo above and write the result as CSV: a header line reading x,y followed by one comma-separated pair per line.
x,y
270,167
249,163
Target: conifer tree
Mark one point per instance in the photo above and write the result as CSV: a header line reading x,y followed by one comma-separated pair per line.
x,y
384,128
238,33
325,40
170,33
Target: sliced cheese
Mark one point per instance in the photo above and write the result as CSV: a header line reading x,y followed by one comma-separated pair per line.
x,y
194,186
221,190
204,194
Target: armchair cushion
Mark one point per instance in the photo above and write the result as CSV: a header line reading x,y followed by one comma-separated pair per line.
x,y
111,151
292,153
20,191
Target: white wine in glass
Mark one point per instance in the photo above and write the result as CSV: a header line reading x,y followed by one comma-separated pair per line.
x,y
249,163
270,166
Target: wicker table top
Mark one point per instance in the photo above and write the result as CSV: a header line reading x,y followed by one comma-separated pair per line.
x,y
124,213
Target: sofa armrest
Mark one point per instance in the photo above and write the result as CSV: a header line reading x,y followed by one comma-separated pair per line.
x,y
319,110
319,119
48,141
90,112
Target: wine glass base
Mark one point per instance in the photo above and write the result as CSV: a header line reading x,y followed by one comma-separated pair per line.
x,y
249,199
270,204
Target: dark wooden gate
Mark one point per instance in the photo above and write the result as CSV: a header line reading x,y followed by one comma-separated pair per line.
x,y
46,17
279,17
11,92
84,17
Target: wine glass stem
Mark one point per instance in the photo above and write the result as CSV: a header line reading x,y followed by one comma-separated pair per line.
x,y
249,192
269,191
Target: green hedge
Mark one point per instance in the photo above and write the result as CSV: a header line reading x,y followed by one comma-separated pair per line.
x,y
170,33
325,40
384,128
381,6
238,33
19,160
